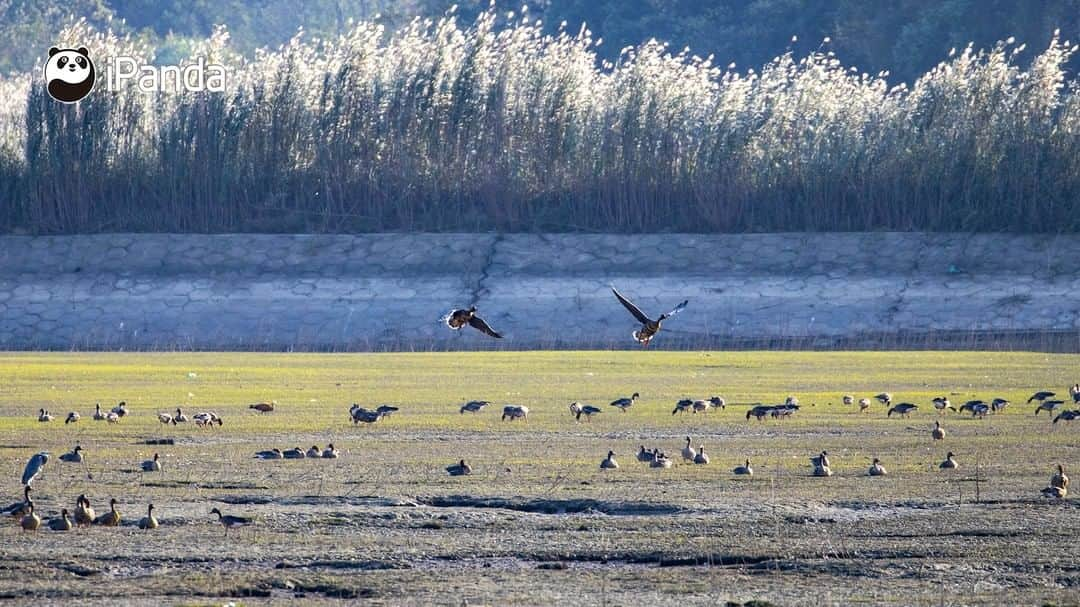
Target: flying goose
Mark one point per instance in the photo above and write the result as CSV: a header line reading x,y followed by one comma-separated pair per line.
x,y
609,462
330,452
578,409
148,521
683,406
701,458
296,453
474,406
903,409
72,417
513,412
949,463
314,451
30,521
43,416
459,469
274,453
744,469
98,415
263,407
938,432
34,466
63,523
688,452
625,403
152,465
110,518
231,522
941,403
84,513
876,469
20,508
649,327
74,456
457,319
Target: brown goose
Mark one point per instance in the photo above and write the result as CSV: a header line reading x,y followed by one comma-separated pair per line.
x,y
876,469
459,318
84,513
63,523
1059,479
149,521
263,407
688,452
625,403
30,521
231,522
110,518
938,432
649,327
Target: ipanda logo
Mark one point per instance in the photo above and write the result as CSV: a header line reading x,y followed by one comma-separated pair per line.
x,y
70,75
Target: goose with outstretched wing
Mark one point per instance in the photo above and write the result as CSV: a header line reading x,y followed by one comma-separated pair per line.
x,y
457,319
649,327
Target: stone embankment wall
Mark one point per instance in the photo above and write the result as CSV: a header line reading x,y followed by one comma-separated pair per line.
x,y
389,291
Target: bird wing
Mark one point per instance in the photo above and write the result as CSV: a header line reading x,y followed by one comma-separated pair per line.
x,y
638,314
676,309
478,323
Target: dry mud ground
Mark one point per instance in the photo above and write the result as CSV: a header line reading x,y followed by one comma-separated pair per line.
x,y
539,523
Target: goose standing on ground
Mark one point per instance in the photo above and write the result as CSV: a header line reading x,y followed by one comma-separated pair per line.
x,y
848,399
110,518
938,432
30,521
152,465
864,404
457,319
949,463
714,402
1041,396
43,416
645,456
165,418
609,462
263,407
998,404
231,522
459,469
876,469
977,407
18,509
683,406
74,456
112,418
578,409
625,403
314,451
1067,416
513,412
884,398
63,523
1074,391
84,513
34,466
274,453
941,403
701,458
72,417
688,452
474,406
148,521
649,327
903,409
744,470
120,409
98,415
821,464
179,418
1049,406
330,452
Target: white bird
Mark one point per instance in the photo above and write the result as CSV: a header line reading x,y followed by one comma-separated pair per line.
x,y
112,418
34,466
165,418
688,452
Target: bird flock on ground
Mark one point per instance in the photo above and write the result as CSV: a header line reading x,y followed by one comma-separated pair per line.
x,y
84,515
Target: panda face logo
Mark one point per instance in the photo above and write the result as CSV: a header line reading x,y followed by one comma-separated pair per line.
x,y
69,74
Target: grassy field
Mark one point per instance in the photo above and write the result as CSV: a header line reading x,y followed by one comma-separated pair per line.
x,y
385,523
